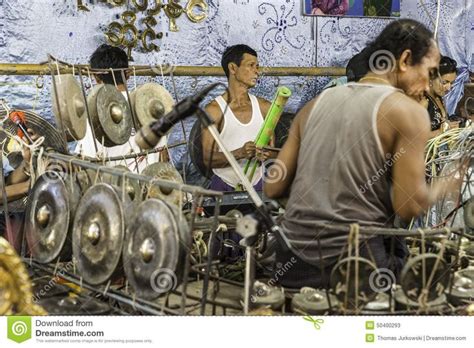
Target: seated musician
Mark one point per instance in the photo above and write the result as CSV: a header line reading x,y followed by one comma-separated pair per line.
x,y
355,154
110,57
239,116
17,182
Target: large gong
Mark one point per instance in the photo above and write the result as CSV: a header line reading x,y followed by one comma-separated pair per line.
x,y
150,102
98,235
70,106
110,115
155,249
49,216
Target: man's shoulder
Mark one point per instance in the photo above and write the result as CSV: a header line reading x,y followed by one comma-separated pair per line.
x,y
214,110
404,112
264,105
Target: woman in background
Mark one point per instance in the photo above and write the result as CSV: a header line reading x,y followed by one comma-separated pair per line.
x,y
439,87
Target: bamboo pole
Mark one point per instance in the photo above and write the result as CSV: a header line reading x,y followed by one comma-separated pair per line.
x,y
144,70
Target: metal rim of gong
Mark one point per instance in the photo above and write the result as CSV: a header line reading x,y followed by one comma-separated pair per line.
x,y
462,292
150,102
72,108
98,234
52,137
314,302
366,268
403,302
265,295
155,249
60,305
132,187
163,171
110,115
411,276
468,212
48,217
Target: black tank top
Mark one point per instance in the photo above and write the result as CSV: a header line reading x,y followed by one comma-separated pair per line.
x,y
436,114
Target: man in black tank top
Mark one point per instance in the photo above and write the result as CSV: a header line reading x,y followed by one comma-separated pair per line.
x,y
398,132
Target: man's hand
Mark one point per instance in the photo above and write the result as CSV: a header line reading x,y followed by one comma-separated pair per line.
x,y
263,153
248,150
26,151
450,181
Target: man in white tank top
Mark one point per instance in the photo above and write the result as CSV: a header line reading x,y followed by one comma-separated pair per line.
x,y
106,57
239,116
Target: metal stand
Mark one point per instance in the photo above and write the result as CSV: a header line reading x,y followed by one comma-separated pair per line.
x,y
248,227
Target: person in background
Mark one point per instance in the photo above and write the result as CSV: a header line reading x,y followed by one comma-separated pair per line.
x,y
433,100
17,183
107,57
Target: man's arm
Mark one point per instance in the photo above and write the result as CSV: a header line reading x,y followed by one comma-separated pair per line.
x,y
212,157
287,160
19,174
16,191
407,124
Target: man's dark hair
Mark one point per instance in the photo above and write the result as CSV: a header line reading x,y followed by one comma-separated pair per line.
x,y
401,35
358,66
235,54
106,57
447,65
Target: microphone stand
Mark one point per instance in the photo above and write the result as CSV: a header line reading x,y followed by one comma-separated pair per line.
x,y
249,226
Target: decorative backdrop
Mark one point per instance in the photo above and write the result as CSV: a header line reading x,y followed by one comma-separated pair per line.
x,y
30,29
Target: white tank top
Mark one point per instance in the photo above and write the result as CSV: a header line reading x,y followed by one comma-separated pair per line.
x,y
235,134
85,147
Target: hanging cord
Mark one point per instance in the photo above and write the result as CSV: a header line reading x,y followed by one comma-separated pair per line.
x,y
438,13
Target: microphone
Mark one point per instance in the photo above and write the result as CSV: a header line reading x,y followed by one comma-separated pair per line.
x,y
148,136
18,118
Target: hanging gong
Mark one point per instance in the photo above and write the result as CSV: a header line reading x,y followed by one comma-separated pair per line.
x,y
98,234
150,102
49,215
70,106
132,187
425,275
110,115
155,250
351,289
164,171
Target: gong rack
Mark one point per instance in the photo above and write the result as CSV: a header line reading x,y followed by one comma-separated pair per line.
x,y
71,163
214,272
